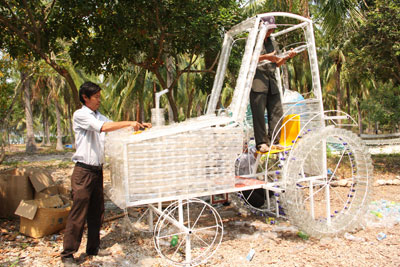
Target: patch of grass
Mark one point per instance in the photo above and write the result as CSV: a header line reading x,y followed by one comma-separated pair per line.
x,y
65,164
389,163
14,263
15,163
41,150
52,150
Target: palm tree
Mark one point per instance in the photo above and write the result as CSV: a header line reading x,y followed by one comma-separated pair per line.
x,y
338,59
187,95
334,14
119,96
30,136
253,7
41,103
56,86
338,18
11,110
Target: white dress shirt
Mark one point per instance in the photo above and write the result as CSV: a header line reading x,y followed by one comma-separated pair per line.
x,y
89,139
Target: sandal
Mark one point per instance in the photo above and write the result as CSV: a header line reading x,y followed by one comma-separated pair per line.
x,y
263,148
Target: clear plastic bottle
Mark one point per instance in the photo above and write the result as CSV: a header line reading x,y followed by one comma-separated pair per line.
x,y
381,236
250,255
351,237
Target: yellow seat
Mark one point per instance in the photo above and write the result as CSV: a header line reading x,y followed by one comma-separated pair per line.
x,y
290,129
289,132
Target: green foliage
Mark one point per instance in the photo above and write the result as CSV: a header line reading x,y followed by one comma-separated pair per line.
x,y
131,40
31,30
383,106
338,15
372,64
30,27
377,42
147,34
254,7
144,32
8,85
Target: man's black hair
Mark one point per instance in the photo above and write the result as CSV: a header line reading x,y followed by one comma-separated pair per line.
x,y
88,89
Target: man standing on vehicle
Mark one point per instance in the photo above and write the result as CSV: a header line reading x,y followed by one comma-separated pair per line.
x,y
265,92
90,127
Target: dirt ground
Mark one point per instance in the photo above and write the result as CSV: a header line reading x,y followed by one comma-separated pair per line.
x,y
274,244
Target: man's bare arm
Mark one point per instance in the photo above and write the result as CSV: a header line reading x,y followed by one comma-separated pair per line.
x,y
116,125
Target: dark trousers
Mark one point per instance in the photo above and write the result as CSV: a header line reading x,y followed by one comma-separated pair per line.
x,y
258,103
88,206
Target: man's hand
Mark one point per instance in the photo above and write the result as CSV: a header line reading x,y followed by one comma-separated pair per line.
x,y
136,125
146,124
270,56
291,54
116,125
140,126
288,55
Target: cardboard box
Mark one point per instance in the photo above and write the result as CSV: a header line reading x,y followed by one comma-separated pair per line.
x,y
24,184
52,191
44,216
40,179
15,186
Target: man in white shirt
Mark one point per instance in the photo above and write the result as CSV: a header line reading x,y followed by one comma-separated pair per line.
x,y
90,127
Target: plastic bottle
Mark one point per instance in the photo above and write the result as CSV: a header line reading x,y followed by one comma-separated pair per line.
x,y
174,240
377,213
303,235
381,236
250,256
351,237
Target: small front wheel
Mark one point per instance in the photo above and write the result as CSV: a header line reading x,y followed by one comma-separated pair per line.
x,y
188,232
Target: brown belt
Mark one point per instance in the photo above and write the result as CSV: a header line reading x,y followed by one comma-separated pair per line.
x,y
89,167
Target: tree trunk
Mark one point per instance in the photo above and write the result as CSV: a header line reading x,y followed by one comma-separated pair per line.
x,y
70,128
190,102
348,98
2,153
59,146
75,96
285,72
172,110
46,131
30,136
3,136
360,126
138,118
338,90
74,90
171,114
42,143
154,94
65,73
67,100
139,111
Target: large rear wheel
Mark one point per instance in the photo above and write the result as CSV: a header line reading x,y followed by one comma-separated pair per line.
x,y
328,182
